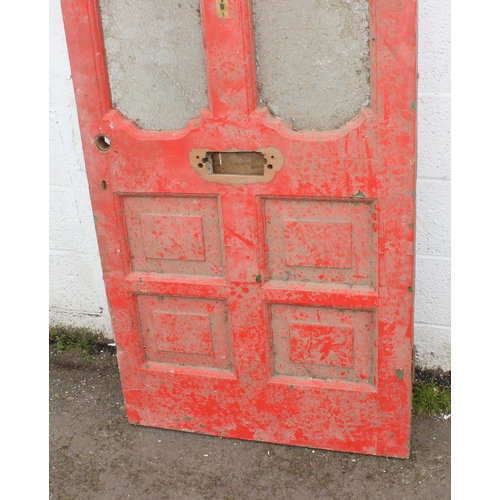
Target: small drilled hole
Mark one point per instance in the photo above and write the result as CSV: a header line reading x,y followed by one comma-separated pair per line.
x,y
200,165
104,185
270,167
103,143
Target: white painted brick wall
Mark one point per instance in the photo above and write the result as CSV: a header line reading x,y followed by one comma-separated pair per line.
x,y
432,331
77,295
434,116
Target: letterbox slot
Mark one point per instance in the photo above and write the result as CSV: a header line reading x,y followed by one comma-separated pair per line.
x,y
236,163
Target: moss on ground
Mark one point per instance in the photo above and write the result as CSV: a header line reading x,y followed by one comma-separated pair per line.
x,y
81,340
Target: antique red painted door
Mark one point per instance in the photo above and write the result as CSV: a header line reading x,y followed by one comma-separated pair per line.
x,y
258,263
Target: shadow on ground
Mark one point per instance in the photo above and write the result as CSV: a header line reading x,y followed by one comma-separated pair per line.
x,y
96,454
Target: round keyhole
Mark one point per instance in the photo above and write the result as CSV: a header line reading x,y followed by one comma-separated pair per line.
x,y
103,143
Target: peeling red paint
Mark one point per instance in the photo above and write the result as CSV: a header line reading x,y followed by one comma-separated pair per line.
x,y
274,311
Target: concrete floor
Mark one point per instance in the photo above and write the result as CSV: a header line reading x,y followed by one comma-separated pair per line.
x,y
96,454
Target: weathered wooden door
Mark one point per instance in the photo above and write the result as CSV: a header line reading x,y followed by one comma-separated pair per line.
x,y
258,257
